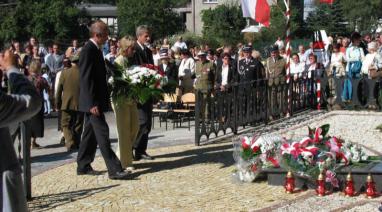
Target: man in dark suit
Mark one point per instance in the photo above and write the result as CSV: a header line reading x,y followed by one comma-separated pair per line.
x,y
67,98
21,105
143,55
94,101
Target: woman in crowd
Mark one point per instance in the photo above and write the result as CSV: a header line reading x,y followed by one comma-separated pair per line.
x,y
354,58
296,67
37,121
372,62
36,55
338,61
186,73
27,58
126,111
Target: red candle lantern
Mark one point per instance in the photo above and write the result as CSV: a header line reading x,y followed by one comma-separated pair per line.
x,y
320,190
349,188
289,183
370,187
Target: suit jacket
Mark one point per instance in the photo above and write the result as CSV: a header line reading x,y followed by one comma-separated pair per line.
x,y
218,80
68,89
93,84
275,70
171,71
249,70
141,57
22,104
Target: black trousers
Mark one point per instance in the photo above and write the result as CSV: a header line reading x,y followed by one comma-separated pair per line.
x,y
96,131
145,112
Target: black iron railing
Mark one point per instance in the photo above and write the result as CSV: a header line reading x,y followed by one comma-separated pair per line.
x,y
258,102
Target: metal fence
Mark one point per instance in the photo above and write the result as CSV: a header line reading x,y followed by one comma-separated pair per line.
x,y
258,102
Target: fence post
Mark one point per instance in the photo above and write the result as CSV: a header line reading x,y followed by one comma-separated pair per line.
x,y
26,140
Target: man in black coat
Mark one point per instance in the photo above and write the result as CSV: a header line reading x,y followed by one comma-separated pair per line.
x,y
94,100
143,55
249,68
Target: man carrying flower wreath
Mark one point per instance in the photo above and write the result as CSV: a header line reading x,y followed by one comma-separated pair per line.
x,y
142,56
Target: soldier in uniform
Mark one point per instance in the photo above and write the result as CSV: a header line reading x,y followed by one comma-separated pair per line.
x,y
249,68
204,82
275,72
249,75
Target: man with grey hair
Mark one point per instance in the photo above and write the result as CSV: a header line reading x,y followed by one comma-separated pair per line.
x,y
94,101
143,55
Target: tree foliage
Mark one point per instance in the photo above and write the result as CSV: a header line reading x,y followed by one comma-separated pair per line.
x,y
224,23
158,15
44,19
327,17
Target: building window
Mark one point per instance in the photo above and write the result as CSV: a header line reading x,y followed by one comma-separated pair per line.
x,y
210,1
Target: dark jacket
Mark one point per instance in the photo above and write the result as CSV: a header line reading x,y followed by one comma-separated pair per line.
x,y
93,84
141,57
218,80
67,94
171,71
249,71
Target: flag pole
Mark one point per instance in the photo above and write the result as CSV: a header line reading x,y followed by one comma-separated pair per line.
x,y
288,52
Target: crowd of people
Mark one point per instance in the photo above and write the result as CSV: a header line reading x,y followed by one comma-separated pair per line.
x,y
74,83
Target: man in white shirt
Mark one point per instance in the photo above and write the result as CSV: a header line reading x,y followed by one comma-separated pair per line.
x,y
180,43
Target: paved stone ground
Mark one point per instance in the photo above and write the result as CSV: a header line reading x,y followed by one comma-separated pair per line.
x,y
189,178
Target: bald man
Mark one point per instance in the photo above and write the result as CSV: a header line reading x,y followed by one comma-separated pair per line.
x,y
22,104
94,101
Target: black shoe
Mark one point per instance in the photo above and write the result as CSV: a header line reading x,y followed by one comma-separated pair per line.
x,y
143,156
90,171
62,141
119,175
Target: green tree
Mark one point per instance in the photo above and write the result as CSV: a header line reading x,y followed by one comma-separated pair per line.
x,y
362,14
224,23
44,19
327,17
158,15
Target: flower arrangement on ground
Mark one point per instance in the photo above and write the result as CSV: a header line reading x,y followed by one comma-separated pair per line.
x,y
139,83
314,154
253,154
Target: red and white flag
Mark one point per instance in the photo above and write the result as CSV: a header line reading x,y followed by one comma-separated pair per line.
x,y
327,1
258,10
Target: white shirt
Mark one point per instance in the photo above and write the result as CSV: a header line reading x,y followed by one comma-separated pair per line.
x,y
225,70
156,58
186,68
297,68
180,45
164,67
91,39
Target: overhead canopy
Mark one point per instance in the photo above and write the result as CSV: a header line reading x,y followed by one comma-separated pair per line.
x,y
252,28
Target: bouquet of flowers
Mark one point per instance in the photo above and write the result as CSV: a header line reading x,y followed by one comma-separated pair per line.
x,y
139,83
318,153
252,154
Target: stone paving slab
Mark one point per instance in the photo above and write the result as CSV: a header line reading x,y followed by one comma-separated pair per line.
x,y
181,178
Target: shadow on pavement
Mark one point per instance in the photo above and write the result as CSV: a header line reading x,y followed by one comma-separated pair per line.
x,y
57,156
48,202
204,154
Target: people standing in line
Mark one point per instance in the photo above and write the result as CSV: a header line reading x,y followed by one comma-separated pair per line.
x,y
297,67
67,101
94,101
37,121
143,55
186,73
22,104
125,110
